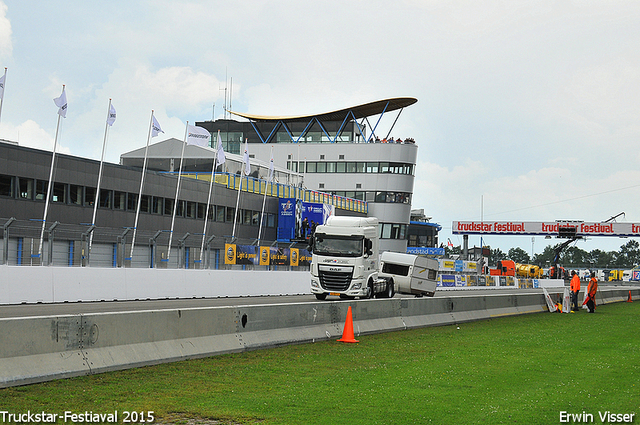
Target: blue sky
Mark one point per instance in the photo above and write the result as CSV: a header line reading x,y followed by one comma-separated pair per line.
x,y
527,110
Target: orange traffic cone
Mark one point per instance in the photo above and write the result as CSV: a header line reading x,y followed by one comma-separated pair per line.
x,y
347,333
629,300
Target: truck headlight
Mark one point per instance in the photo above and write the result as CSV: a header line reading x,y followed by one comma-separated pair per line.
x,y
314,284
357,286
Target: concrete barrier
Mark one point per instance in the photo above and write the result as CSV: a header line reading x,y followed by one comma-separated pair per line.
x,y
38,349
70,284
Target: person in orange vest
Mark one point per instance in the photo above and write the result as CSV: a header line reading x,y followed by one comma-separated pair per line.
x,y
592,289
575,289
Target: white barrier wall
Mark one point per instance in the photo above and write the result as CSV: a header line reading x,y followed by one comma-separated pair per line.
x,y
60,284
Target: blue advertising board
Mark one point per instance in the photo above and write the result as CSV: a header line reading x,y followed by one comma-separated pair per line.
x,y
291,214
419,250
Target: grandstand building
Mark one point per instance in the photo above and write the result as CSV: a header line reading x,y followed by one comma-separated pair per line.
x,y
341,153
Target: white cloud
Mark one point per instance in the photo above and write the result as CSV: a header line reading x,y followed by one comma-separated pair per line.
x,y
6,46
175,94
31,135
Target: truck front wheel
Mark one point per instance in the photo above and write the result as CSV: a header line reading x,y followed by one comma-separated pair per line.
x,y
321,297
372,293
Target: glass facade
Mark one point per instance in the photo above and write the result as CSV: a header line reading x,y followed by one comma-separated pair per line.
x,y
69,194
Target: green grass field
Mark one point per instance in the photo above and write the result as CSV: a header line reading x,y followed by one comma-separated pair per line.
x,y
519,369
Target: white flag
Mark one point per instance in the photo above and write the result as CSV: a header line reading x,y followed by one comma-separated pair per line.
x,y
221,156
155,127
197,136
2,86
112,115
61,103
245,158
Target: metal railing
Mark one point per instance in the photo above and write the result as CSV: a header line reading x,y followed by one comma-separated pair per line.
x,y
280,190
67,245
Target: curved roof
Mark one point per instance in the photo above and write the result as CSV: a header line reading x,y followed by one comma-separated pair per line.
x,y
359,111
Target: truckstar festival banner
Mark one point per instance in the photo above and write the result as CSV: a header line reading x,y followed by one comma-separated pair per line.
x,y
543,228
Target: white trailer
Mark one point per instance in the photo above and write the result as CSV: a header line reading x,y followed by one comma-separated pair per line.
x,y
410,274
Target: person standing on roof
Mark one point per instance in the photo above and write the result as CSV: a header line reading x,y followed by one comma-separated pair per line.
x,y
575,289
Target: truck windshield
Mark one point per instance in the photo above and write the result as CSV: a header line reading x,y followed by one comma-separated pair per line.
x,y
339,246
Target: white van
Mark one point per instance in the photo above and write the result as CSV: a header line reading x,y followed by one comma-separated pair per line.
x,y
410,274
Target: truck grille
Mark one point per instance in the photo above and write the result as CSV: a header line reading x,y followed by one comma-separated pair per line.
x,y
335,278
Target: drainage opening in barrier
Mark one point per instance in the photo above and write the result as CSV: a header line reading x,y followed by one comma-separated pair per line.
x,y
244,320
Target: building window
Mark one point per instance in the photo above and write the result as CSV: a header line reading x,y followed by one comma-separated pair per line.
x,y
311,167
26,188
320,185
247,216
230,213
392,231
168,206
145,205
202,208
119,200
89,196
75,194
6,186
132,202
156,205
59,192
180,208
105,199
220,213
41,190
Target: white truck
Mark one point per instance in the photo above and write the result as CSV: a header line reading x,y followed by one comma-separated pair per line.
x,y
410,274
345,259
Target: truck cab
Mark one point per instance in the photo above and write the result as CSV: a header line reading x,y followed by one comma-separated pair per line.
x,y
345,259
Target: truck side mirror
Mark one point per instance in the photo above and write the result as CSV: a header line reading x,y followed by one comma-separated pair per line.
x,y
367,246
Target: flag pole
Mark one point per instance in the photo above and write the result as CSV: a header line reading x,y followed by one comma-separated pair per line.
x,y
264,200
235,216
95,204
144,167
4,83
46,203
175,202
206,214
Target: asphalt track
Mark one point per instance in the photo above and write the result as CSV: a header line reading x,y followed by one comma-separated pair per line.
x,y
60,309
71,308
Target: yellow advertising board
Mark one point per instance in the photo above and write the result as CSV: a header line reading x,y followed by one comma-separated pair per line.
x,y
229,253
264,255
